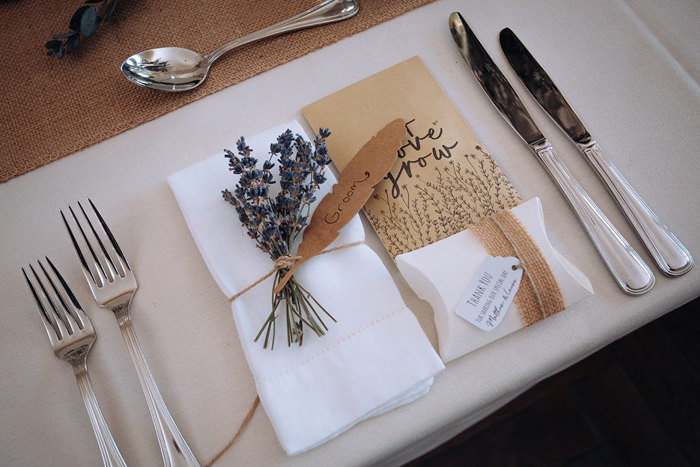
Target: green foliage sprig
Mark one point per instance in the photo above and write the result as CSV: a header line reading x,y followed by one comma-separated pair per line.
x,y
84,23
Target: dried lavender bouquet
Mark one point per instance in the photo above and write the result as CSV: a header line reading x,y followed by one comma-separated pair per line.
x,y
274,222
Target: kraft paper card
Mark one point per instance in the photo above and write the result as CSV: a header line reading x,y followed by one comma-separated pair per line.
x,y
443,180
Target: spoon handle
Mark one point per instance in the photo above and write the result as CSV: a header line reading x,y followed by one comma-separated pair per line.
x,y
328,11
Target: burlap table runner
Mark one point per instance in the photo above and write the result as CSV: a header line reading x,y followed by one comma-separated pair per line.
x,y
50,108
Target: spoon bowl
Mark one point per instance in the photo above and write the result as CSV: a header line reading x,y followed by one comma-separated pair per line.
x,y
174,69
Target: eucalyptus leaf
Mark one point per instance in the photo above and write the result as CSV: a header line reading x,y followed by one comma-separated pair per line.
x,y
78,16
89,22
52,47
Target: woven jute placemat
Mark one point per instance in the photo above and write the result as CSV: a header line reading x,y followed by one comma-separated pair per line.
x,y
51,108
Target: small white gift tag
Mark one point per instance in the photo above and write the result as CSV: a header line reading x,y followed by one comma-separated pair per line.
x,y
491,292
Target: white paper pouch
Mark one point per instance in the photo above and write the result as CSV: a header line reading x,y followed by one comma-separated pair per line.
x,y
441,273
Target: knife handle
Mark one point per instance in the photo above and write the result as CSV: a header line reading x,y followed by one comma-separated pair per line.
x,y
670,255
629,270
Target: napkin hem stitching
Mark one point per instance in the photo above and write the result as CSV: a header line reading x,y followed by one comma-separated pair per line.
x,y
331,346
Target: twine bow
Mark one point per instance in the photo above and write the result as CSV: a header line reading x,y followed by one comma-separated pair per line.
x,y
285,262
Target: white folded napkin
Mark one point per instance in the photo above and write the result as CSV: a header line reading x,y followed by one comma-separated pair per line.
x,y
441,272
375,358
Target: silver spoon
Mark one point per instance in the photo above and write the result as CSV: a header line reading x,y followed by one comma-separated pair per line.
x,y
174,69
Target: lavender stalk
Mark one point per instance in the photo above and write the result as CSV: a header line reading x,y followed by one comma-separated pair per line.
x,y
274,222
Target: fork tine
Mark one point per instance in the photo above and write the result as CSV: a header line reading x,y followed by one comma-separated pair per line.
x,y
100,267
75,311
70,320
100,275
117,257
65,311
113,240
42,296
83,319
48,322
110,262
78,250
47,298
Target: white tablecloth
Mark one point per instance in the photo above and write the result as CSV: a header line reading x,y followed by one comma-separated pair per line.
x,y
630,71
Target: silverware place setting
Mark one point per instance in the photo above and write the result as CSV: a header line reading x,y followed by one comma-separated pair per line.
x,y
113,284
71,334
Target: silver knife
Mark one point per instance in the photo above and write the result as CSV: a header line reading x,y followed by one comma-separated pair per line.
x,y
631,273
670,255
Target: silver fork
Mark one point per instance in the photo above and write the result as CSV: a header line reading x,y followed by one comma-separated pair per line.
x,y
113,284
71,335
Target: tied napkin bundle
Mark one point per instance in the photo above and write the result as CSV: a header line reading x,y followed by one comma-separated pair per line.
x,y
375,358
440,273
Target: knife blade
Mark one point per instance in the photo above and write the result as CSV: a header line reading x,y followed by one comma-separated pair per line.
x,y
627,268
668,252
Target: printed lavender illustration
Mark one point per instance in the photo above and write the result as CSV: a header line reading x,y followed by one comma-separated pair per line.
x,y
440,200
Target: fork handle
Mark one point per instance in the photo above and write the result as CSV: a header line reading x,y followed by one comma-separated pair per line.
x,y
108,448
173,446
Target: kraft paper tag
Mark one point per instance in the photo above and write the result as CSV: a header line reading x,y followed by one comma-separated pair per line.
x,y
443,181
491,292
353,189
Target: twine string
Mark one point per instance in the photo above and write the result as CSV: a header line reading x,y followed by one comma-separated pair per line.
x,y
244,423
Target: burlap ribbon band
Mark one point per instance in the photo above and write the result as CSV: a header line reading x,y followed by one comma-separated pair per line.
x,y
539,295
